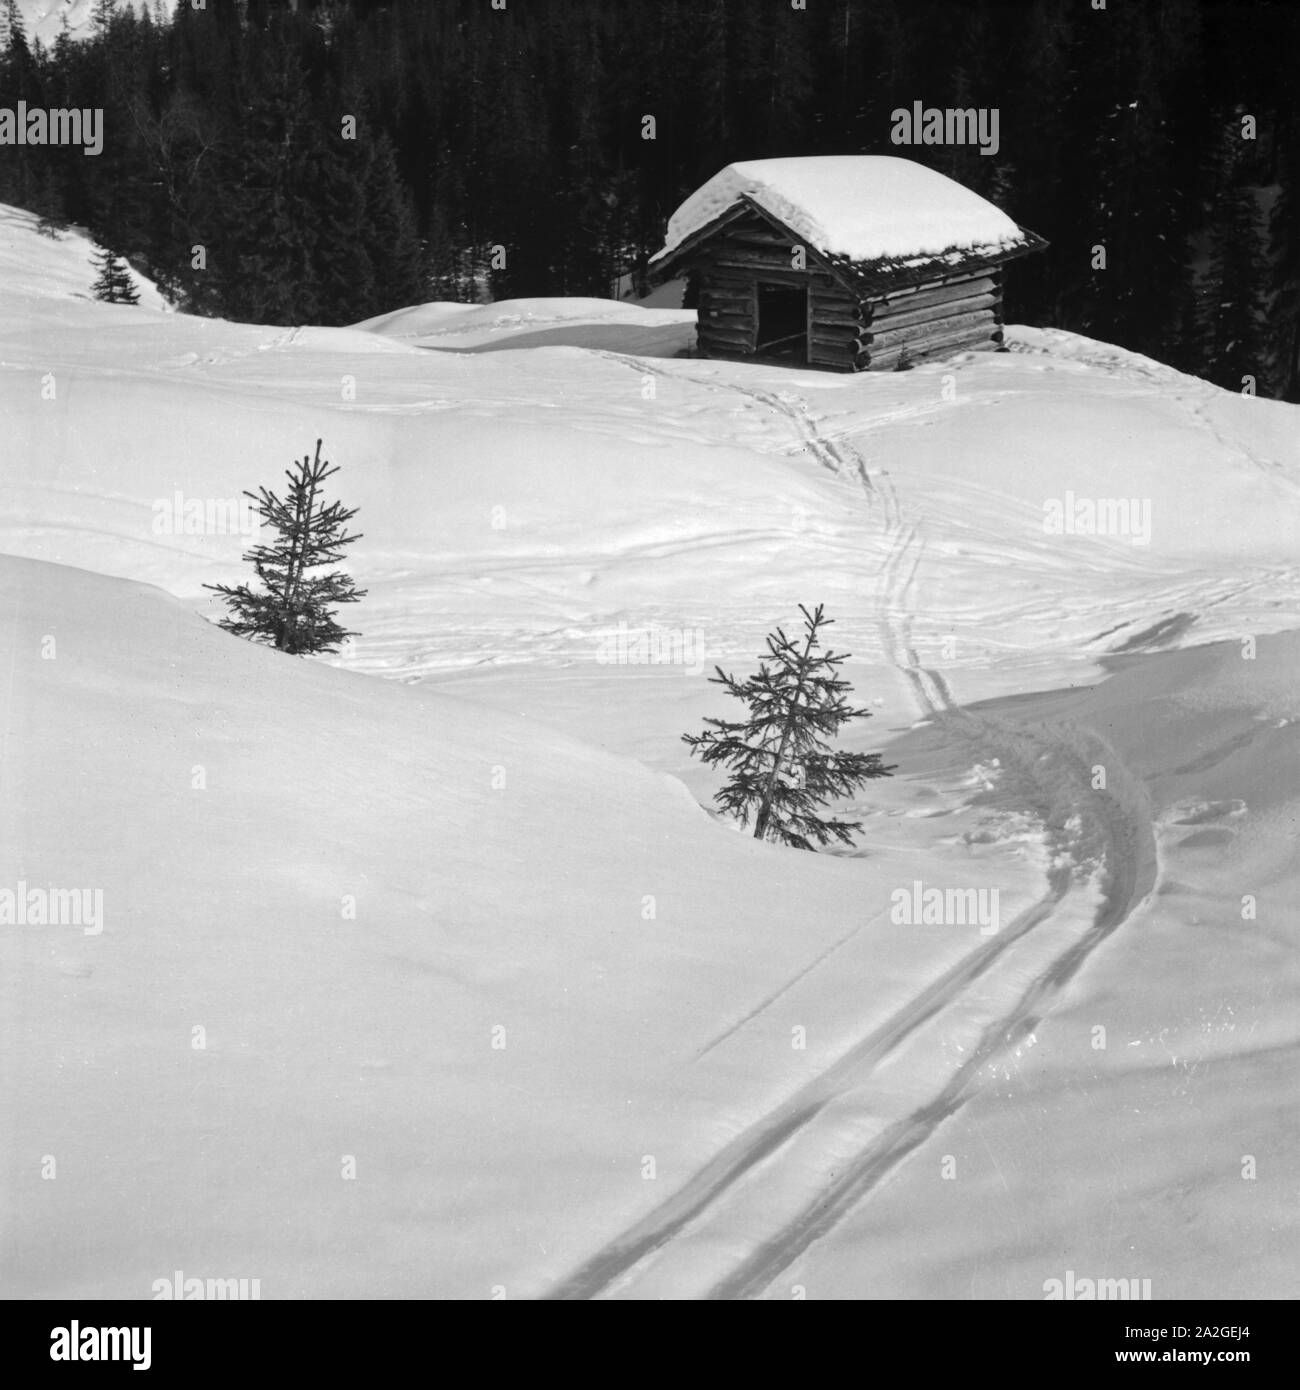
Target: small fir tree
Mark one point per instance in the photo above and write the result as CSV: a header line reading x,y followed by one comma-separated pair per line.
x,y
114,284
295,613
781,767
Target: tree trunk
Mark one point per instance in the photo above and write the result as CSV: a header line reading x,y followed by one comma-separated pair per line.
x,y
765,806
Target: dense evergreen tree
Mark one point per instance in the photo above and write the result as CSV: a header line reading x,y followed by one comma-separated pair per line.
x,y
113,284
1284,227
396,254
1230,324
539,149
1284,245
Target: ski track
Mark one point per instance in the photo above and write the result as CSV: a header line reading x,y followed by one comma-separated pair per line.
x,y
780,1125
1112,830
870,1167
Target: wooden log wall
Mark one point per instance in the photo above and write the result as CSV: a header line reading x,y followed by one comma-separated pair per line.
x,y
933,320
837,326
887,359
845,331
727,315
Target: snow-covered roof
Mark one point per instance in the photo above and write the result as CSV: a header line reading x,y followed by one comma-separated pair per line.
x,y
859,207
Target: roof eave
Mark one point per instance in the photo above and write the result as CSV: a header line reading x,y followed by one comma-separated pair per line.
x,y
875,278
664,264
668,264
853,275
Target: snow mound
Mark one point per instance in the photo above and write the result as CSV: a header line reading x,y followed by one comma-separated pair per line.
x,y
865,207
439,316
606,324
343,917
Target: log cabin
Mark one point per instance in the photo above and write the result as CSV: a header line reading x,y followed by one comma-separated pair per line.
x,y
851,262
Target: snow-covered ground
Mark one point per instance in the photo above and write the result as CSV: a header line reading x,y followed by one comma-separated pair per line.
x,y
450,905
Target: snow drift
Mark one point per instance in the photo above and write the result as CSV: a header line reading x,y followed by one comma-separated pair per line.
x,y
327,896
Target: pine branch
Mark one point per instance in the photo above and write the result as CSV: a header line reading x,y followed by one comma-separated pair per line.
x,y
781,768
294,614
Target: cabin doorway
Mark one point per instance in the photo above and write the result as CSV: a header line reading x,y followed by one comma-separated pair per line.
x,y
782,322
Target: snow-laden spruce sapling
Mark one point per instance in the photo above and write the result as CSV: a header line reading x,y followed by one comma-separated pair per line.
x,y
782,769
295,613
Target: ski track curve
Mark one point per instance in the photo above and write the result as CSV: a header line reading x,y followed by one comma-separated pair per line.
x,y
1050,769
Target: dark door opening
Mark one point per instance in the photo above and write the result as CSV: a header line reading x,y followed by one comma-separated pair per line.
x,y
782,321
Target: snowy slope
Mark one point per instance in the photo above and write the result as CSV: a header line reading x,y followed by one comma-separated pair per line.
x,y
1168,1070
542,484
52,270
44,19
230,804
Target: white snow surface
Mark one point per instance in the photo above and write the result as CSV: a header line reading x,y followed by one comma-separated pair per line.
x,y
516,323
446,913
865,207
59,267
